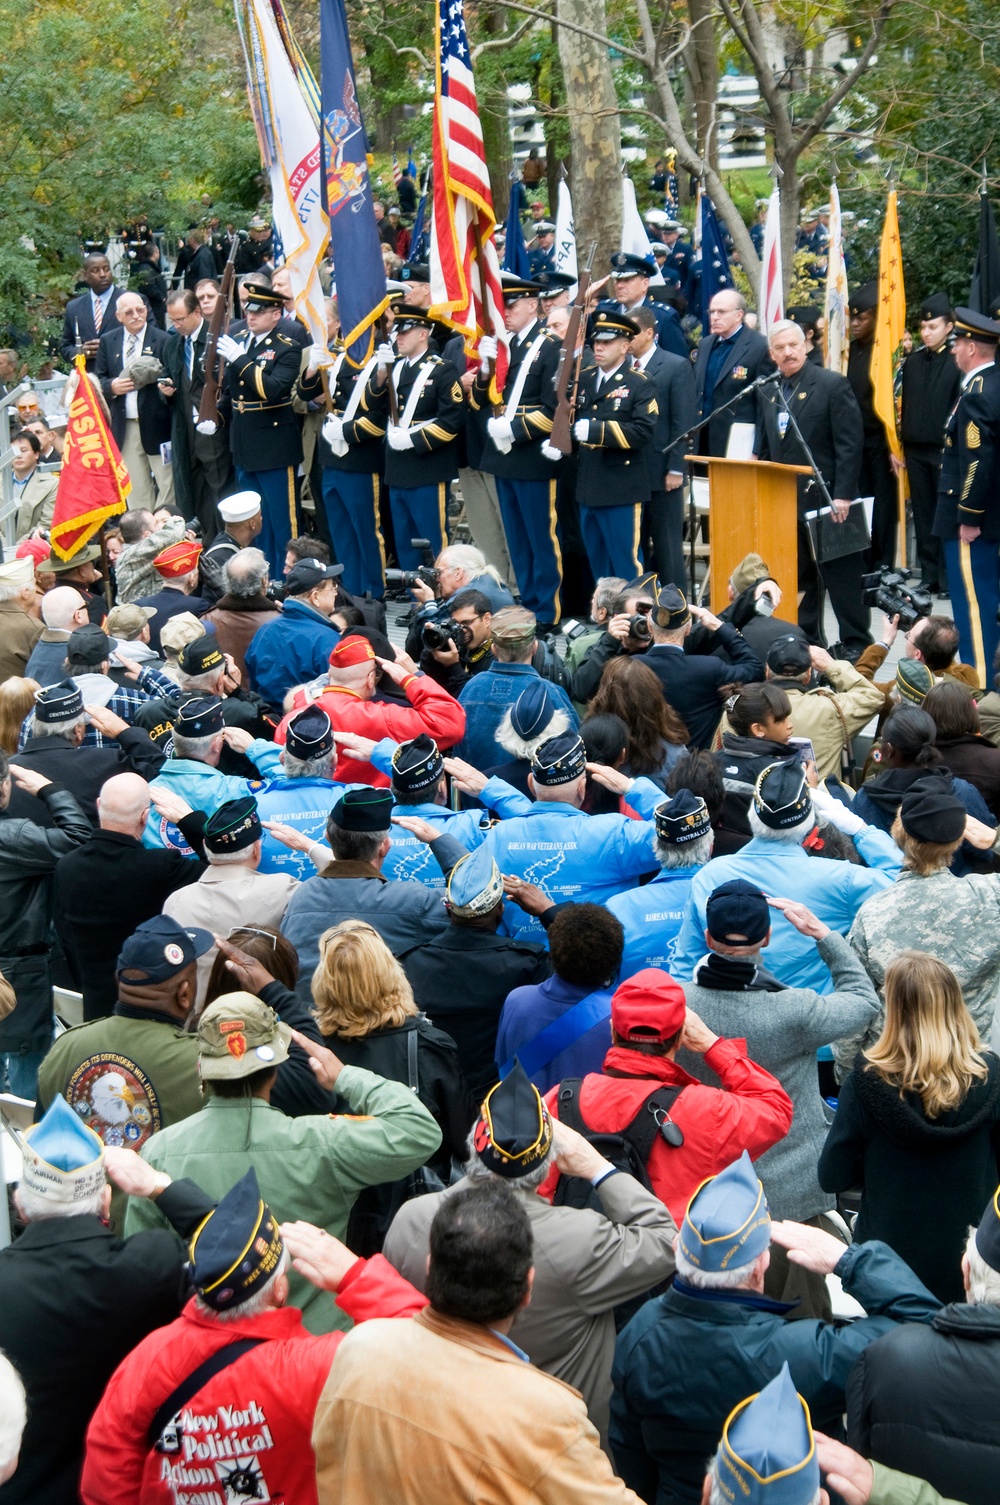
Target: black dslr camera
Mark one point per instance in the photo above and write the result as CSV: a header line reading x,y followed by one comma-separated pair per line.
x,y
638,628
442,635
890,591
425,572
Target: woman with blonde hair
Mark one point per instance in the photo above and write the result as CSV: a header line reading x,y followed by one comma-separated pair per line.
x,y
17,700
657,737
368,1017
917,1125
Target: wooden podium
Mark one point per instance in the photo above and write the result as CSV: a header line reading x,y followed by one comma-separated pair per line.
x,y
752,510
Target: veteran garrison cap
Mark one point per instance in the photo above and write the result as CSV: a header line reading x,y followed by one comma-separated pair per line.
x,y
977,326
767,1455
236,1249
239,1035
514,1132
363,810
727,1223
670,609
781,796
914,681
532,710
234,826
474,886
417,764
63,1159
61,702
560,760
200,717
610,325
988,1233
309,734
682,819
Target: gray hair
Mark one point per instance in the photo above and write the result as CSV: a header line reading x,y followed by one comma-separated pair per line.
x,y
11,592
13,1413
783,326
607,591
521,747
477,1171
691,854
353,846
37,1208
196,748
258,1302
712,1280
57,728
308,768
465,556
229,859
792,836
245,574
210,681
984,1281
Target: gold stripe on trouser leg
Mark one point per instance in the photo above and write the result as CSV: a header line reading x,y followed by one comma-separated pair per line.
x,y
554,535
376,519
293,521
443,509
637,539
972,606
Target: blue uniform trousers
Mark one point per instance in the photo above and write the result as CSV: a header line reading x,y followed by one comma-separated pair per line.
x,y
419,512
281,515
350,501
528,509
611,538
974,587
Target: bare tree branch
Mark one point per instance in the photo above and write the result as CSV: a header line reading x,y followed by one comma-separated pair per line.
x,y
583,31
508,40
413,52
847,83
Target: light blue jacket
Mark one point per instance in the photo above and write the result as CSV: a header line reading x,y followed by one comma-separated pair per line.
x,y
834,891
652,917
205,788
303,804
570,855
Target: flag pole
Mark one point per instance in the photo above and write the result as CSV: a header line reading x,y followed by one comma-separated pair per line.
x,y
487,310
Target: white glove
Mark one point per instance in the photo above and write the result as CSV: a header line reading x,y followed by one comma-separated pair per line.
x,y
319,355
501,432
207,426
838,814
581,430
229,348
488,347
333,433
399,438
550,452
385,355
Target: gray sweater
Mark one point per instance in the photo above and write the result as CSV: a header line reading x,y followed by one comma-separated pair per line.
x,y
783,1031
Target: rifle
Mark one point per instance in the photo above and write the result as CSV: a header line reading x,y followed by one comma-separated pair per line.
x,y
208,408
561,437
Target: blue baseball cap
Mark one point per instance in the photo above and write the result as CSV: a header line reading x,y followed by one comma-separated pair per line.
x,y
767,1455
727,1223
159,949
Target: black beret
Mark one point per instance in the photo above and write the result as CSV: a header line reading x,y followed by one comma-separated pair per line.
x,y
781,796
364,810
930,814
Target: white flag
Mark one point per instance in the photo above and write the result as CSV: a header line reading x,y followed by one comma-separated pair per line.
x,y
565,247
634,238
769,304
835,341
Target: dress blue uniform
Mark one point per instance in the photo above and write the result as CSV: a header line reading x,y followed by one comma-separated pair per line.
x,y
419,478
526,480
352,482
968,498
265,433
613,471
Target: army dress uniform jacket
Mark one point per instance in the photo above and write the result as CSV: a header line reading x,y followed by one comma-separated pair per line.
x,y
613,469
256,404
532,420
436,421
968,490
364,433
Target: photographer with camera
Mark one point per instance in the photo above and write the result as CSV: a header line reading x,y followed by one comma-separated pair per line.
x,y
627,631
454,648
929,640
830,714
439,582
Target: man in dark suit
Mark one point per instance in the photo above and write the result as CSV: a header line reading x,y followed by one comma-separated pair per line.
x,y
828,415
663,515
202,463
89,315
692,680
140,418
729,359
876,479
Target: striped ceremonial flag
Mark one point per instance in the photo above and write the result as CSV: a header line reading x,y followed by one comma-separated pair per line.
x,y
396,170
770,304
835,342
464,270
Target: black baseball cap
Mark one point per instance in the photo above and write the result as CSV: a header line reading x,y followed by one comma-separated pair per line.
x,y
159,949
89,644
789,655
201,655
308,573
737,913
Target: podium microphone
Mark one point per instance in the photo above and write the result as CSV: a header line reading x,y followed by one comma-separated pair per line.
x,y
762,381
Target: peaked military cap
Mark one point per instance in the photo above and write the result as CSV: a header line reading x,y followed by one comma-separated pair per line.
x,y
625,264
977,326
609,325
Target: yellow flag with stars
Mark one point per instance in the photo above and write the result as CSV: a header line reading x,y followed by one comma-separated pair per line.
x,y
890,327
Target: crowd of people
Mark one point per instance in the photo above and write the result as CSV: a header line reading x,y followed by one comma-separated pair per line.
x,y
601,1015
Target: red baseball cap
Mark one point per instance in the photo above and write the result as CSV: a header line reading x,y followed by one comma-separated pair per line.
x,y
650,1006
351,651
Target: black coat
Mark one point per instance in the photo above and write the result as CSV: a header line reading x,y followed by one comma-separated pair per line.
x,y
677,409
152,406
924,1180
827,413
82,770
78,323
967,494
691,681
491,966
255,404
931,382
925,1400
364,434
440,407
532,423
747,359
103,891
170,602
74,1301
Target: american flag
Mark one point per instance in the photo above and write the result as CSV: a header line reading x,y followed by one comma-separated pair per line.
x,y
396,173
464,269
769,303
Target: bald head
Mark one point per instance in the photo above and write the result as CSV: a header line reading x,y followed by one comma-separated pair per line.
x,y
123,804
63,609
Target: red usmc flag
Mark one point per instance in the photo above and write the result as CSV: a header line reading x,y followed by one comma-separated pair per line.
x,y
93,482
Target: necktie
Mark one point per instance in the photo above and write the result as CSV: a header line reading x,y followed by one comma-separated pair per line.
x,y
189,355
129,352
98,315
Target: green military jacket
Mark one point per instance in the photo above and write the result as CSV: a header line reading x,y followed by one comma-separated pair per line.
x,y
308,1169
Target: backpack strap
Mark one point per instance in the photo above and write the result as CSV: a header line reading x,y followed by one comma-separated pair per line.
x,y
569,1105
178,1398
644,1127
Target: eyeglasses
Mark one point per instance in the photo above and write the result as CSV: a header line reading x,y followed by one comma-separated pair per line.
x,y
250,930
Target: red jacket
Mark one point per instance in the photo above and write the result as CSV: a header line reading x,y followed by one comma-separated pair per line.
x,y
256,1416
431,710
751,1112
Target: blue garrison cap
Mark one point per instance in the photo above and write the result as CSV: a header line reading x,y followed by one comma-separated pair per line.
x,y
475,885
727,1223
236,1249
532,710
767,1455
63,1159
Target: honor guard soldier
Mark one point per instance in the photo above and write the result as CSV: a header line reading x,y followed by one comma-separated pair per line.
x,y
526,480
931,386
265,433
631,277
968,509
421,456
542,256
616,420
553,290
350,452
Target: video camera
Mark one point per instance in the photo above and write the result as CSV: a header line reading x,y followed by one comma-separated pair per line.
x,y
891,592
425,572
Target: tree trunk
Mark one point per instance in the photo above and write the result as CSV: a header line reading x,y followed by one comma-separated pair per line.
x,y
702,66
495,119
594,129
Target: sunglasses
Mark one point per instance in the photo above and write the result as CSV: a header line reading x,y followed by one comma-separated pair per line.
x,y
250,930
